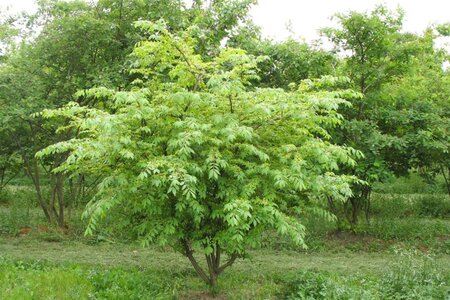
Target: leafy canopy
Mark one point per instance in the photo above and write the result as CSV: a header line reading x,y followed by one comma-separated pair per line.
x,y
200,156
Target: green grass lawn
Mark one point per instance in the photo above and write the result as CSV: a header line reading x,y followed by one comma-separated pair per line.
x,y
403,254
35,269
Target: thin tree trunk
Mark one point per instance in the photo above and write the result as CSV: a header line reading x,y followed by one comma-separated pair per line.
x,y
189,253
447,183
33,172
52,205
59,188
366,198
2,178
212,268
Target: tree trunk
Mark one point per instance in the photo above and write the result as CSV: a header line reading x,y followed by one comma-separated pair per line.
x,y
366,202
59,188
54,207
446,177
2,178
355,210
213,263
190,255
33,172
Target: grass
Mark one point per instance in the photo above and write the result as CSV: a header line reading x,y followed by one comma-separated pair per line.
x,y
125,255
119,271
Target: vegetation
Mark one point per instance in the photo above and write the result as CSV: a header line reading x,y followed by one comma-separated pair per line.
x,y
178,126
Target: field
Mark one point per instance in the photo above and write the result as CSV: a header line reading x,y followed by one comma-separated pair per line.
x,y
403,254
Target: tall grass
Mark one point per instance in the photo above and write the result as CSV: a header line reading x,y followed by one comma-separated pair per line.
x,y
413,276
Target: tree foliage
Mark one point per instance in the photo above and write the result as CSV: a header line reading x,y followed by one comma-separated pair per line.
x,y
203,158
377,58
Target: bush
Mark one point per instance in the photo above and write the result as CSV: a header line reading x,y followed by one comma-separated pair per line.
x,y
412,184
4,196
393,206
433,206
404,205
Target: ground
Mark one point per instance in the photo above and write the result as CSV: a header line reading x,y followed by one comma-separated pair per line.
x,y
263,275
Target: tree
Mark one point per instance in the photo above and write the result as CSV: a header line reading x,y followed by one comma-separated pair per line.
x,y
199,157
10,162
45,73
415,108
375,53
290,62
371,40
287,62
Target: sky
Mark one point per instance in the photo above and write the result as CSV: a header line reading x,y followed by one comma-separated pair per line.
x,y
306,17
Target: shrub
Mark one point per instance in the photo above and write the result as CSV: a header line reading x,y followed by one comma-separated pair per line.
x,y
393,206
4,197
433,205
412,184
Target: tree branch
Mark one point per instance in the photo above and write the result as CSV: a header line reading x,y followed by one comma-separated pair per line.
x,y
189,253
228,263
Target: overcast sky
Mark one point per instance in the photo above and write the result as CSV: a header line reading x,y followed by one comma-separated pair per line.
x,y
307,16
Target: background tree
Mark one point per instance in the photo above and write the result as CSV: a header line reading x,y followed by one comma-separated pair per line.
x,y
287,62
377,57
415,108
81,45
374,52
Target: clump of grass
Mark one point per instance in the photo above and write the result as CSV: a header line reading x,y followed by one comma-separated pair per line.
x,y
21,280
38,280
413,276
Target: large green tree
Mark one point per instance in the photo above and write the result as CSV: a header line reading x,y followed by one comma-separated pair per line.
x,y
199,157
415,108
